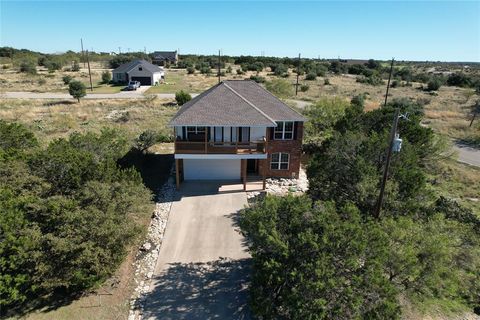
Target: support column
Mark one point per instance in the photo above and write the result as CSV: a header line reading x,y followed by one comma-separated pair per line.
x,y
177,172
264,170
207,129
244,174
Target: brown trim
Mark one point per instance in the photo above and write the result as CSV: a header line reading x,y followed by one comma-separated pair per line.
x,y
177,173
243,164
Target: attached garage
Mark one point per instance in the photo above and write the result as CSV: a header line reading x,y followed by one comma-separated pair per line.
x,y
144,81
211,169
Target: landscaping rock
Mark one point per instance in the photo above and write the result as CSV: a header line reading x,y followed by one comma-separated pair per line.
x,y
148,253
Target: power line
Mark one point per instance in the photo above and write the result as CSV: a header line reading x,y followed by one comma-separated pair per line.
x,y
388,84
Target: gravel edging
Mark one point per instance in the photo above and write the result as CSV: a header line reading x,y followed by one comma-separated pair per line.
x,y
281,187
147,256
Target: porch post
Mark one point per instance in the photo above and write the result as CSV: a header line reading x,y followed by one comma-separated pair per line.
x,y
177,172
244,174
207,129
264,167
236,141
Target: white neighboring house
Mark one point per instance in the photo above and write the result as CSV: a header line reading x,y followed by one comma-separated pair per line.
x,y
139,70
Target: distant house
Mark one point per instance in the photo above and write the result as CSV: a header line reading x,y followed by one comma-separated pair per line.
x,y
237,129
161,58
138,70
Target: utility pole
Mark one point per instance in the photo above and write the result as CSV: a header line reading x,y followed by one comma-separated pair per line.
x,y
298,74
83,52
89,72
387,164
476,109
388,84
219,66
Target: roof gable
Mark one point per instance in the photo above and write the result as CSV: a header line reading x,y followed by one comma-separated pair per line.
x,y
234,103
164,55
127,67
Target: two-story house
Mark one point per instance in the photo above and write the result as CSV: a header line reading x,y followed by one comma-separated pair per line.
x,y
236,129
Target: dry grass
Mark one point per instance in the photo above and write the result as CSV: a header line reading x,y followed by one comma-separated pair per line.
x,y
12,80
54,119
178,79
460,182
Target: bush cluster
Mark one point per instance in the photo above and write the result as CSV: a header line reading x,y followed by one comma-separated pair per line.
x,y
68,212
182,97
324,255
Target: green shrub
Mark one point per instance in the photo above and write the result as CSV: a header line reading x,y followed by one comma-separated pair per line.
x,y
373,64
67,78
42,81
190,70
240,71
206,70
69,213
257,79
53,66
394,84
253,66
182,97
326,82
321,70
300,260
77,89
149,138
434,84
229,69
373,80
280,87
106,77
304,87
28,67
311,76
279,70
459,79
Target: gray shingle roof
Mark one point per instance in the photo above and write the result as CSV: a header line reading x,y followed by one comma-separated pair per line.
x,y
126,67
165,55
235,103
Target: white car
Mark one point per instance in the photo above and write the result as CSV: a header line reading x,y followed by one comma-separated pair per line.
x,y
133,85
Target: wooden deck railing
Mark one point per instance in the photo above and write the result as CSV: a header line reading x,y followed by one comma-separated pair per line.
x,y
192,147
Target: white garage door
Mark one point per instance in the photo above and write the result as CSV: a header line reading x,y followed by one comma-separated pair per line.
x,y
211,169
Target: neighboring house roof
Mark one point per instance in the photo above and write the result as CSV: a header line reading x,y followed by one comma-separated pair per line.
x,y
127,67
235,103
165,55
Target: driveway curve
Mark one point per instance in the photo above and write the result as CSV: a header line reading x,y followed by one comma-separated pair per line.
x,y
203,267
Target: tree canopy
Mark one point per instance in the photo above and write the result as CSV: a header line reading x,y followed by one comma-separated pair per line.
x,y
323,255
68,212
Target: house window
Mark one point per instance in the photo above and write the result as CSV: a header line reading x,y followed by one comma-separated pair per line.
x,y
283,130
279,161
140,68
196,130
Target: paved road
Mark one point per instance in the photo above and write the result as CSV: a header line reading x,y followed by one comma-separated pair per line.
x,y
139,94
468,154
203,268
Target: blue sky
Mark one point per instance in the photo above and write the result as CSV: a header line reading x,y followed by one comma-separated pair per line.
x,y
446,31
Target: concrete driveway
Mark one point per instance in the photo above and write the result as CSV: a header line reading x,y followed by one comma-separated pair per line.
x,y
203,268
